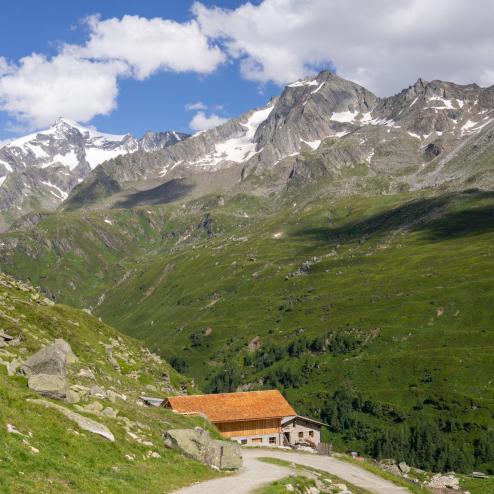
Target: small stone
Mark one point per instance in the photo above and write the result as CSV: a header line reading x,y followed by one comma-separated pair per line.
x,y
109,412
130,457
153,454
12,429
94,407
289,487
97,392
86,373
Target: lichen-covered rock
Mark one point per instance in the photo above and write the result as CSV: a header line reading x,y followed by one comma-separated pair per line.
x,y
198,444
51,359
49,385
83,422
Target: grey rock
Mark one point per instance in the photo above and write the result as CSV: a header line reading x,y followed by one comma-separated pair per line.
x,y
404,468
440,481
97,392
86,373
49,385
109,412
197,444
13,366
51,359
83,422
5,336
94,407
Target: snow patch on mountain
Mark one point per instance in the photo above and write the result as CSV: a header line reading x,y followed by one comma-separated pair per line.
x,y
303,83
237,149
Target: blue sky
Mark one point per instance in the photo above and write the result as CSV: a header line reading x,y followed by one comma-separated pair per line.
x,y
134,65
158,102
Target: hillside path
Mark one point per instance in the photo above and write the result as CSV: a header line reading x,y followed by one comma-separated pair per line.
x,y
255,474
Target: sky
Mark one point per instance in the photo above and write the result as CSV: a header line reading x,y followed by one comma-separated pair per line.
x,y
137,65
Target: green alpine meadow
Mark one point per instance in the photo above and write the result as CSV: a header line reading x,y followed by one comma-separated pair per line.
x,y
247,247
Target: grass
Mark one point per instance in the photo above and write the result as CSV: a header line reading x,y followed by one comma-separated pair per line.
x,y
300,473
411,273
67,458
477,486
299,483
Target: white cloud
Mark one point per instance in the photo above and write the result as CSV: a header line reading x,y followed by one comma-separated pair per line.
x,y
196,106
81,81
39,90
384,44
201,121
149,45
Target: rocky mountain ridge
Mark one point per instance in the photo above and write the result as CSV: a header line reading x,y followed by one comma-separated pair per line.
x,y
319,126
38,171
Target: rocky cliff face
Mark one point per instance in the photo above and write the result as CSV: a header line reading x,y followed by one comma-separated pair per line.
x,y
326,125
38,171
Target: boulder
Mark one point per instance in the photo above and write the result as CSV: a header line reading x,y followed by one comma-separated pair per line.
x,y
49,385
197,444
440,481
404,468
51,359
83,422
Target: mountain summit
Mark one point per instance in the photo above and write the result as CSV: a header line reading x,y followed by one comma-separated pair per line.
x,y
40,169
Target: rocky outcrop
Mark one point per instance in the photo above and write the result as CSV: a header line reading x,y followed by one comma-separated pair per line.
x,y
83,422
444,481
49,385
197,444
47,370
51,359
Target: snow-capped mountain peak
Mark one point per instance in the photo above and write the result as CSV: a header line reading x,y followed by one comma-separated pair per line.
x,y
51,162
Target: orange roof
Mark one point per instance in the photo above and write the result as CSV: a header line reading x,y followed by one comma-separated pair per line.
x,y
229,407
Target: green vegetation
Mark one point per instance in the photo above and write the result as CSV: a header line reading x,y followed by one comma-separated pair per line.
x,y
299,483
477,486
49,453
305,477
371,313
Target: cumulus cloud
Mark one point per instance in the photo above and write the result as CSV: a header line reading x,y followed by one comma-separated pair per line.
x,y
201,121
196,106
38,90
149,45
81,81
383,44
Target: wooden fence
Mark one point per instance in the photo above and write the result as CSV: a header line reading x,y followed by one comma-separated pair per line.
x,y
325,449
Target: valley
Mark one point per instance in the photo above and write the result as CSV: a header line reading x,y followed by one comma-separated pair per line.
x,y
334,245
371,313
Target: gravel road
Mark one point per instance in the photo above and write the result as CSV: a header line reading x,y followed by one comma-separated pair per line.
x,y
255,474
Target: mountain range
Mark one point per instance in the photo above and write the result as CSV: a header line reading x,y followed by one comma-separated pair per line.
x,y
322,126
333,244
38,171
319,126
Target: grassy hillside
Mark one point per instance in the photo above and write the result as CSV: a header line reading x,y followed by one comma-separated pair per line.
x,y
44,451
373,313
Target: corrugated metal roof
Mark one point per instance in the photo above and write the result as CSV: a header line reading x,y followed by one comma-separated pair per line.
x,y
229,407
